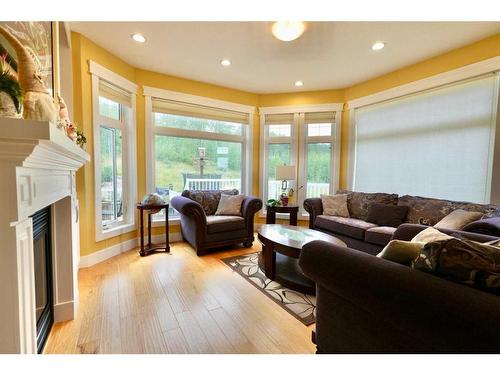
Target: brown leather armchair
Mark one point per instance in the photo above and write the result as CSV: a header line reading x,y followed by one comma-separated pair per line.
x,y
204,230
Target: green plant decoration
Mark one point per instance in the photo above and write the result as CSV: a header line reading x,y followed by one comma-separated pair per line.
x,y
273,202
81,140
10,85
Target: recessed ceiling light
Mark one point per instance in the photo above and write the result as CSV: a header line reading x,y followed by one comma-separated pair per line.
x,y
299,83
225,62
138,38
378,46
288,30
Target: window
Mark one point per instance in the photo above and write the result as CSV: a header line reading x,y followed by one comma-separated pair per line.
x,y
306,140
114,152
196,146
437,143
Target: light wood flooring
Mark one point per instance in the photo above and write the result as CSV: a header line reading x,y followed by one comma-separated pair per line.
x,y
175,303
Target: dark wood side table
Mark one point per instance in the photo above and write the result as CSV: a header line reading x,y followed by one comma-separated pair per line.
x,y
272,210
150,247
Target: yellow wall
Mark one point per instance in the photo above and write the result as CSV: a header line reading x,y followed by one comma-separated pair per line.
x,y
84,50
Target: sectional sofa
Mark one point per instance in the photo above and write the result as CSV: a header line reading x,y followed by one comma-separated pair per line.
x,y
371,238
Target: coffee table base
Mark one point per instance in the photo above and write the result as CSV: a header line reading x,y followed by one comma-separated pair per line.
x,y
288,273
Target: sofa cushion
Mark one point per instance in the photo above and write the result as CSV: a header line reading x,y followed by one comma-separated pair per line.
x,y
358,202
389,215
402,252
458,219
216,224
379,235
429,211
209,199
335,205
347,226
463,261
430,235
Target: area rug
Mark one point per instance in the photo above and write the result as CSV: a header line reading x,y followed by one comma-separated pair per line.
x,y
301,306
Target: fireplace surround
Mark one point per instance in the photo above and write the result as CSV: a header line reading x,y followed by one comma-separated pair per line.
x,y
38,164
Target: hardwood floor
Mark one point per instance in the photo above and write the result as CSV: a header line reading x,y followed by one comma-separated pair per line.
x,y
175,303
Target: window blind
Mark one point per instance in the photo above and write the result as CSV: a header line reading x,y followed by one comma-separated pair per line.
x,y
319,117
279,118
438,143
192,110
114,93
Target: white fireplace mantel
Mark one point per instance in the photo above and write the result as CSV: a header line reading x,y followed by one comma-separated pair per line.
x,y
37,169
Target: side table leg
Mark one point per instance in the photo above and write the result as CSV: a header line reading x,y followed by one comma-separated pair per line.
x,y
293,218
141,220
167,244
270,217
149,230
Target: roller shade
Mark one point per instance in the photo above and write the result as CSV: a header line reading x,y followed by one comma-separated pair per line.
x,y
114,93
319,117
437,143
193,110
279,118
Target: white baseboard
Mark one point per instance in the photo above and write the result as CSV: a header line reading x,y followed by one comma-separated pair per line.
x,y
102,255
64,311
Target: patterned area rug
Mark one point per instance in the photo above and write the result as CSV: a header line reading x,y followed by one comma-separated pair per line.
x,y
301,306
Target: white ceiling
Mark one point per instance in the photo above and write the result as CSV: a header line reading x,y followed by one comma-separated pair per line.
x,y
329,55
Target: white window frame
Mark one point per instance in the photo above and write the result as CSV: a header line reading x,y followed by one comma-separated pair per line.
x,y
151,130
299,140
129,152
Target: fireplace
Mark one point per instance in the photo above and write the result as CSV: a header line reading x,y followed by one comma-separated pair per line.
x,y
42,254
39,230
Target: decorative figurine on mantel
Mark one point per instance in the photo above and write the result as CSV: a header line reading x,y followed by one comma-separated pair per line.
x,y
38,104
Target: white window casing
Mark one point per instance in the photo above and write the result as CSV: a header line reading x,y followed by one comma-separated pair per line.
x,y
299,117
175,103
112,86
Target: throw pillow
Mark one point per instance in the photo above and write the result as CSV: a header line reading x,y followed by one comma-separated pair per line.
x,y
335,205
463,261
430,235
458,219
230,205
402,252
489,226
386,215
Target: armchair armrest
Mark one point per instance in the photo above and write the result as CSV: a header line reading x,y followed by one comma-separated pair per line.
x,y
250,206
190,208
314,207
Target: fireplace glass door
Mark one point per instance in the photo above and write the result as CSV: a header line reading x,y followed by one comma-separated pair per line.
x,y
42,247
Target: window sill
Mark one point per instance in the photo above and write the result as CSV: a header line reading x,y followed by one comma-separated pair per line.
x,y
115,231
161,222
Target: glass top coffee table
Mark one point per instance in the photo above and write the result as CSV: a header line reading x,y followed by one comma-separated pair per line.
x,y
281,247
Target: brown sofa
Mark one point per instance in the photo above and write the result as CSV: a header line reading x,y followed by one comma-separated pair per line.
x,y
359,234
367,304
204,230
